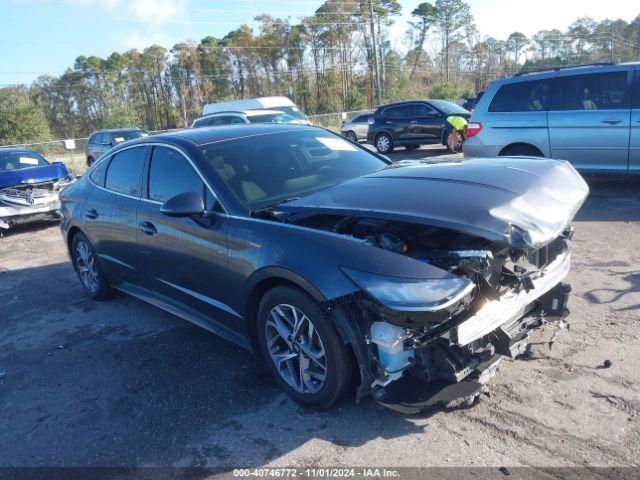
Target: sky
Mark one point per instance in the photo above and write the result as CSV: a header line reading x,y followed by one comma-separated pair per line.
x,y
40,37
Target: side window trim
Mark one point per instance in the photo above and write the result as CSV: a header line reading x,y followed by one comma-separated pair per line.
x,y
147,168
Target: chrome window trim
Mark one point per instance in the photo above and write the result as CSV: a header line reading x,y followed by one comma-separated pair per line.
x,y
148,200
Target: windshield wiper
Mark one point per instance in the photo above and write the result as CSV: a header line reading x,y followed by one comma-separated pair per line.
x,y
271,207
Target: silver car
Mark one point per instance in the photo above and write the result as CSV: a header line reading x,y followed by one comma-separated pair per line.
x,y
356,128
102,140
588,115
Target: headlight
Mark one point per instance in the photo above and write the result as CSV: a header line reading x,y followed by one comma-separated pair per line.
x,y
412,294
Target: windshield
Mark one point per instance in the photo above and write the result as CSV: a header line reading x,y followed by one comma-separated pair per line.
x,y
272,118
285,165
120,136
17,160
449,108
294,112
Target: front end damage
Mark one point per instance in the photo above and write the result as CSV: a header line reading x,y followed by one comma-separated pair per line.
x,y
27,202
414,359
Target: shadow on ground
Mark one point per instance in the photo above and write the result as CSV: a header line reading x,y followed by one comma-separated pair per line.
x,y
120,383
611,199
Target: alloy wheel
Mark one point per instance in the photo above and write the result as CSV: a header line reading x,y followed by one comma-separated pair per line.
x,y
86,263
352,136
383,143
296,349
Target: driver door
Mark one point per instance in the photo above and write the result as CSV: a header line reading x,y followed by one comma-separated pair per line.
x,y
184,260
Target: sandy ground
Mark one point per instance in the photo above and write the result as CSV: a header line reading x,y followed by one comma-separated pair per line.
x,y
121,383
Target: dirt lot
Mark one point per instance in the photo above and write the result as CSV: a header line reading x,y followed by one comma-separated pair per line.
x,y
120,383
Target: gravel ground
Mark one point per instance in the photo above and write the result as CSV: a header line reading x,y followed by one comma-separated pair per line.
x,y
121,383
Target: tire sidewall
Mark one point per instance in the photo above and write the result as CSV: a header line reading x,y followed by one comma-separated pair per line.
x,y
338,365
351,136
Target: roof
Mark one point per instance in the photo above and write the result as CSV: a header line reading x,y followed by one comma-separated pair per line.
x,y
17,149
248,113
221,133
111,130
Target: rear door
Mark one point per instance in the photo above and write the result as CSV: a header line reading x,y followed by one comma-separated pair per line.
x,y
397,120
589,120
184,259
427,124
634,138
110,212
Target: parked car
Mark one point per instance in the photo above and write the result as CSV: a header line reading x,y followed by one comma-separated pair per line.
x,y
102,140
355,129
470,103
282,104
29,187
243,116
326,259
588,115
411,124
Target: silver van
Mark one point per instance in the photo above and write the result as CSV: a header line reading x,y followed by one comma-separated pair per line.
x,y
588,115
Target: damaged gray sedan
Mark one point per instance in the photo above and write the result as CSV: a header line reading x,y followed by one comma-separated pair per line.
x,y
410,281
29,187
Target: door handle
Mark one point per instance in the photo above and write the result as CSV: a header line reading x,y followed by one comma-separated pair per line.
x,y
611,121
147,228
91,214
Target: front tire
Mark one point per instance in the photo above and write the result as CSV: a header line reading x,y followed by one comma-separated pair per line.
x,y
384,143
86,265
302,347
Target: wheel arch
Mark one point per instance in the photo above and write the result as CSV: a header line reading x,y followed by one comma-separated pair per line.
x,y
512,146
264,280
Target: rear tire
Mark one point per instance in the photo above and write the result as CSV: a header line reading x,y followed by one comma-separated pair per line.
x,y
351,136
302,348
521,151
86,265
384,143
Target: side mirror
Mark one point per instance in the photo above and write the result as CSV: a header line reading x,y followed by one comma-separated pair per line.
x,y
187,204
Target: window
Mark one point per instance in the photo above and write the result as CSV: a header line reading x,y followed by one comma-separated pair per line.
x,y
98,173
532,96
105,138
94,139
124,174
210,121
237,120
400,111
286,164
361,119
422,110
602,91
171,174
19,159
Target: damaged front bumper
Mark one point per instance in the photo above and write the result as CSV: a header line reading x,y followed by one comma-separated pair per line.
x,y
455,366
24,205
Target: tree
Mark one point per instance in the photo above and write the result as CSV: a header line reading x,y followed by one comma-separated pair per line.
x,y
515,43
452,16
21,119
426,15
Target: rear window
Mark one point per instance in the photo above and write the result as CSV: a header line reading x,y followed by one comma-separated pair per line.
x,y
601,91
449,108
120,136
124,174
530,96
272,118
361,119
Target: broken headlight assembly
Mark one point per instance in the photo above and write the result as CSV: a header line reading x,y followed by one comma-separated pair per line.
x,y
411,294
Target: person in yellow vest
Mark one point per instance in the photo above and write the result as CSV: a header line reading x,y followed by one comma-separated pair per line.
x,y
456,127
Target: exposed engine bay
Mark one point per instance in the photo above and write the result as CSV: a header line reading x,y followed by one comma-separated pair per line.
x,y
458,347
31,201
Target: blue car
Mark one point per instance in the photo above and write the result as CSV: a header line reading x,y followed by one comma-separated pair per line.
x,y
29,187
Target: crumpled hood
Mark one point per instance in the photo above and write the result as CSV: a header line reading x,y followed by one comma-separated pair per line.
x,y
523,202
12,178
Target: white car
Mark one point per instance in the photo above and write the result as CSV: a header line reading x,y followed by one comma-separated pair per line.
x,y
243,116
282,104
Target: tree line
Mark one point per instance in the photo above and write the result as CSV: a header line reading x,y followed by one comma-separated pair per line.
x,y
339,59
